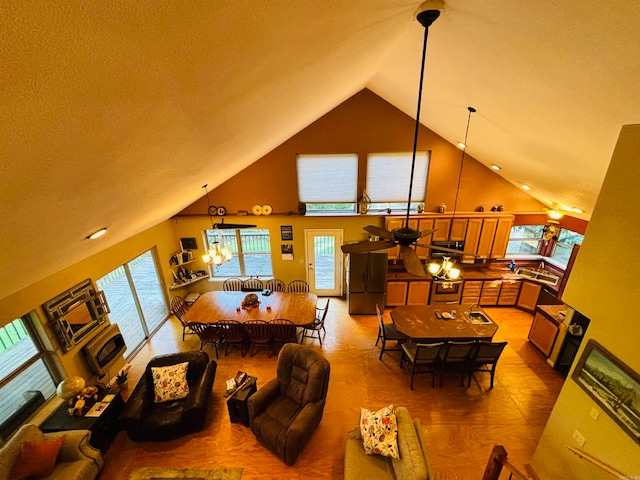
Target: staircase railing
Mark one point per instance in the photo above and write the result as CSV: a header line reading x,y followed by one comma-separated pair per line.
x,y
498,461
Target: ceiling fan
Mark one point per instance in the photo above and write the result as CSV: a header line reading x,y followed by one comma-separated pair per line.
x,y
406,236
212,210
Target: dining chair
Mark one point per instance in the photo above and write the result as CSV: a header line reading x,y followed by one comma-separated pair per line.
x,y
312,330
179,308
422,358
298,286
283,331
232,285
455,355
234,335
388,332
259,334
484,358
276,285
252,285
208,333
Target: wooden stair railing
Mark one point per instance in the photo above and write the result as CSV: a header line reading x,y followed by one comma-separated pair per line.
x,y
497,461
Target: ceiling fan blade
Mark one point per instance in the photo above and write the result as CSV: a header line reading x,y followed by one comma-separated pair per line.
x,y
231,226
425,233
412,263
379,232
366,246
448,250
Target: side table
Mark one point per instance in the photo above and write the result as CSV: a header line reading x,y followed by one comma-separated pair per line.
x,y
103,428
237,405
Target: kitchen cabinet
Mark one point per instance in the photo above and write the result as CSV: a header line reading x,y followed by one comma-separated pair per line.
x,y
391,223
485,242
509,291
490,292
528,298
396,293
448,229
418,293
474,227
501,237
543,333
424,224
471,292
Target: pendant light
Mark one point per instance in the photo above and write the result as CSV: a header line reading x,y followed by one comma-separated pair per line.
x,y
217,253
446,270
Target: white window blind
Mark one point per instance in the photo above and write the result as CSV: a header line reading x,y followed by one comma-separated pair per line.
x,y
388,176
327,178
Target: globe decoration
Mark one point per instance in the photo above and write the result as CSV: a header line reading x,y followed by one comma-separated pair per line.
x,y
70,387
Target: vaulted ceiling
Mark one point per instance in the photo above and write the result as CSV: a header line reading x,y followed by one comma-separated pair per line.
x,y
115,113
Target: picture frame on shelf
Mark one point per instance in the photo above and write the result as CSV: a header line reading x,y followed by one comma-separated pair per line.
x,y
613,385
188,244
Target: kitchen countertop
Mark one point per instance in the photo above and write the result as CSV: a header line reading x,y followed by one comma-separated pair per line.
x,y
553,312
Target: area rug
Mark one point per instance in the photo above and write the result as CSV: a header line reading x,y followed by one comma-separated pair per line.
x,y
158,473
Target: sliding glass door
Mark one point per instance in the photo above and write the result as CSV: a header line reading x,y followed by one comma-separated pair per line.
x,y
136,299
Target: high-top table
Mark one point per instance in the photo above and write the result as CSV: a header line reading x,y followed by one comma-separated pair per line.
x,y
419,322
210,307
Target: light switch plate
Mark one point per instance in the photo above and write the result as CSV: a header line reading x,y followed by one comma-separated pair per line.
x,y
580,440
595,413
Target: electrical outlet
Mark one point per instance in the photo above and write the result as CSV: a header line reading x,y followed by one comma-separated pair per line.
x,y
577,436
595,413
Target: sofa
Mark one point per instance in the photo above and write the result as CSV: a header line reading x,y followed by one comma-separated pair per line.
x,y
76,459
412,464
144,419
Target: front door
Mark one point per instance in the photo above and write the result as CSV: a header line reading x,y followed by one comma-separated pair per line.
x,y
324,262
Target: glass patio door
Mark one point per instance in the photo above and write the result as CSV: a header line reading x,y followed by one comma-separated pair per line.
x,y
324,262
136,299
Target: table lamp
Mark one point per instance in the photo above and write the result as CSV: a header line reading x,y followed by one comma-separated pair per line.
x,y
70,387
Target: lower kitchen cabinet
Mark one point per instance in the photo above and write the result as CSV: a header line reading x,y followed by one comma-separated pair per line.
x,y
471,292
418,293
396,293
490,292
509,292
543,333
528,298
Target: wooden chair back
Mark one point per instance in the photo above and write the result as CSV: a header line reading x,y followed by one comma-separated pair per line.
x,y
179,307
276,285
252,285
232,285
298,286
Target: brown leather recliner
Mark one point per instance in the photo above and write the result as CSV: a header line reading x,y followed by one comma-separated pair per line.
x,y
145,420
286,411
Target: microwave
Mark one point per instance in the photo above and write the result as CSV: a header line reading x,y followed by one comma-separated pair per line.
x,y
452,244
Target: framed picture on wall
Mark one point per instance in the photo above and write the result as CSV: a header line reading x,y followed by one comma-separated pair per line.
x,y
612,385
286,233
188,244
287,252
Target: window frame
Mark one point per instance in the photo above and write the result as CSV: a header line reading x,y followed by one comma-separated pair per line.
x,y
383,192
539,240
335,185
238,250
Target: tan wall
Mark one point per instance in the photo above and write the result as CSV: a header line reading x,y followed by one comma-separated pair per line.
x,y
31,298
366,124
604,287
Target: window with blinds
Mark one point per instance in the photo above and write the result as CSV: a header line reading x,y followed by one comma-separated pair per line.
x,y
388,178
328,182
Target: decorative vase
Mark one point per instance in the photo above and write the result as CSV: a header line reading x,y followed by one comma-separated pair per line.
x,y
363,203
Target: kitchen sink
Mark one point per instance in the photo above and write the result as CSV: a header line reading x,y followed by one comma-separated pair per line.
x,y
541,276
477,317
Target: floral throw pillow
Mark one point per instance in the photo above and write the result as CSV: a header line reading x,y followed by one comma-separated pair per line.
x,y
170,383
379,432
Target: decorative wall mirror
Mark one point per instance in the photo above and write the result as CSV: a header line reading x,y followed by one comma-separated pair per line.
x,y
76,312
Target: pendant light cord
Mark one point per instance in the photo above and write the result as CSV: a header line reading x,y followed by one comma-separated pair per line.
x,y
464,150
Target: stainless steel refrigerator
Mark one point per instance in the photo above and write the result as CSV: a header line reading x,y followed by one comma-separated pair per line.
x,y
366,281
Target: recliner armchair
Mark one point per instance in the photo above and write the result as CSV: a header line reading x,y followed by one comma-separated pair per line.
x,y
286,411
145,420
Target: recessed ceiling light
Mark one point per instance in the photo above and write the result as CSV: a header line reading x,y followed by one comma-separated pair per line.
x,y
462,145
577,210
525,187
497,168
97,234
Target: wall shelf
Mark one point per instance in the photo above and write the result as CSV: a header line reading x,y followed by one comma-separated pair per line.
x,y
177,286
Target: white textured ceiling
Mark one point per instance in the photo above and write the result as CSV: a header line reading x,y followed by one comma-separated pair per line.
x,y
115,113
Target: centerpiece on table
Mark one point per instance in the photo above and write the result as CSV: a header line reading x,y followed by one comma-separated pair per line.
x,y
250,301
83,401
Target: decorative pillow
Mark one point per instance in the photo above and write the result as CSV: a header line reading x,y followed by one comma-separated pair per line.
x,y
379,432
37,458
170,383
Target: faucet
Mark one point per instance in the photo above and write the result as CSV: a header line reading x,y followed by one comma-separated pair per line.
x,y
541,266
471,308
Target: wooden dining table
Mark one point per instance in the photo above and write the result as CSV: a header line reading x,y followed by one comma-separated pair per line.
x,y
420,323
210,307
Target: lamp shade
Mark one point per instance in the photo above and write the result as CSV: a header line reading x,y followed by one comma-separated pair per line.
x,y
70,387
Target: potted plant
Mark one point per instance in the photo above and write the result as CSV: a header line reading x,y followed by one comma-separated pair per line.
x,y
122,378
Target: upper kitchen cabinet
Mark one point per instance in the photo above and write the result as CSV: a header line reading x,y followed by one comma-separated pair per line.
x,y
449,229
392,223
494,237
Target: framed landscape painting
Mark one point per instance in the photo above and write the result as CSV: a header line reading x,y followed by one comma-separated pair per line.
x,y
612,384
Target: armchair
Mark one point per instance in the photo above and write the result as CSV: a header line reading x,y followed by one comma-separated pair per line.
x,y
286,411
145,420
